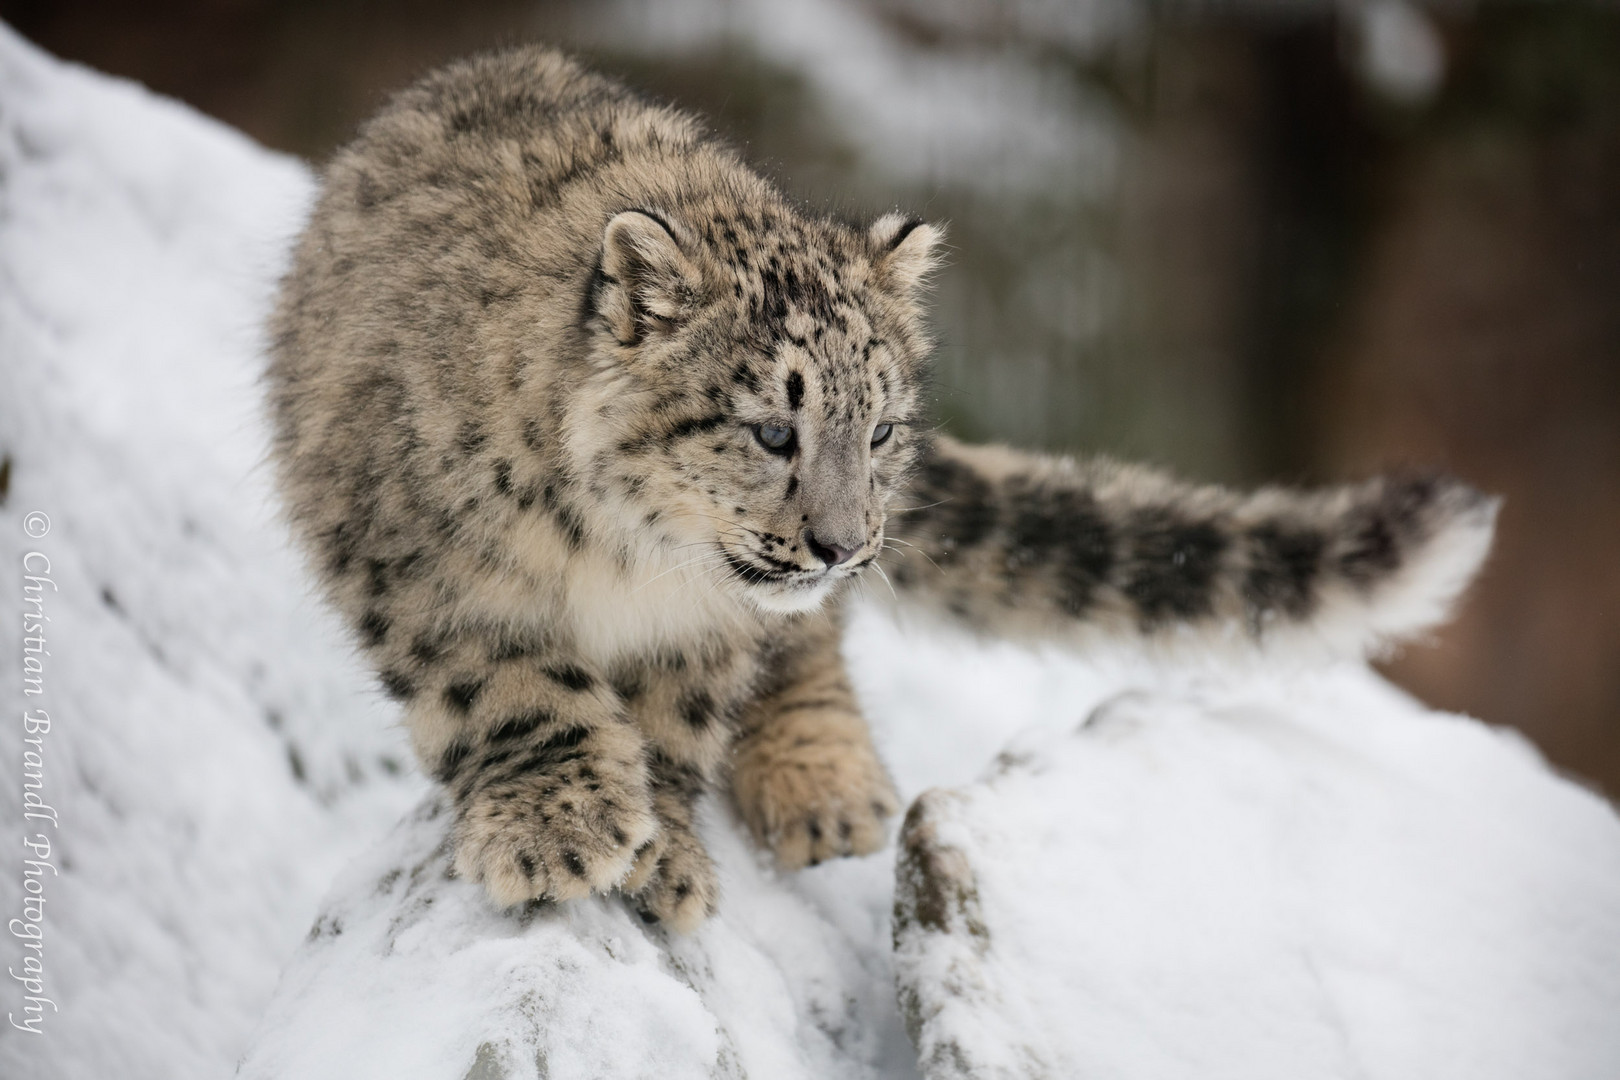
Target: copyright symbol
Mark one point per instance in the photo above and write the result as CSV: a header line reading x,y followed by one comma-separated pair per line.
x,y
36,524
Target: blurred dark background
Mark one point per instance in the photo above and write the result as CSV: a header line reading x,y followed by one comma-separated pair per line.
x,y
1253,241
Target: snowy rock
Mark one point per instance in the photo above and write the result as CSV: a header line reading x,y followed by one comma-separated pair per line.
x,y
1274,881
409,972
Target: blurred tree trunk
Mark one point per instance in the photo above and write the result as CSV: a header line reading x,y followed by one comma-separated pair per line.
x,y
1485,336
1321,284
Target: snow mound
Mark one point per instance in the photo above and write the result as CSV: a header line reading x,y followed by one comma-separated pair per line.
x,y
1250,870
1320,880
214,755
410,972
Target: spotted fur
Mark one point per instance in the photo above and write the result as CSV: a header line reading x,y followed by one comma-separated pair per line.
x,y
1044,548
586,430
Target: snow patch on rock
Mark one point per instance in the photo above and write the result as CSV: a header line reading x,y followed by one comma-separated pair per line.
x,y
410,972
1320,879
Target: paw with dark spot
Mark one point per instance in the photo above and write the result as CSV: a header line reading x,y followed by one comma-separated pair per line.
x,y
812,789
673,881
542,834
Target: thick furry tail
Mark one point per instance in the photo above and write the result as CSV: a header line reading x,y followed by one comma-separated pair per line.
x,y
1026,546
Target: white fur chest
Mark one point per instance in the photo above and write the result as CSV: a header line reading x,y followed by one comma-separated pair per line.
x,y
615,613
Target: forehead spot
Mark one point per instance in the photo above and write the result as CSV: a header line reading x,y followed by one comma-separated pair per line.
x,y
743,374
795,390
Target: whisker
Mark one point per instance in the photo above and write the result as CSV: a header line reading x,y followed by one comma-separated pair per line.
x,y
735,524
705,566
711,557
923,553
909,509
886,581
714,586
724,521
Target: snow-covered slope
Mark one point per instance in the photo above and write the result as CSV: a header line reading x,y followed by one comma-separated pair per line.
x,y
214,756
409,973
1299,874
1263,882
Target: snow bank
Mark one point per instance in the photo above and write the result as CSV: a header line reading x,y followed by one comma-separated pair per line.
x,y
1246,872
214,756
1268,881
410,973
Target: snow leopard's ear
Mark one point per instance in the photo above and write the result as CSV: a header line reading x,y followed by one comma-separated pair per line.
x,y
904,252
645,284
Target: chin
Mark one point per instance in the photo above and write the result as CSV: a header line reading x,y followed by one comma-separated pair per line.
x,y
788,599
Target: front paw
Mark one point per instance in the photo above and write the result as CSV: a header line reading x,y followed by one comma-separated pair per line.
x,y
809,800
673,881
555,833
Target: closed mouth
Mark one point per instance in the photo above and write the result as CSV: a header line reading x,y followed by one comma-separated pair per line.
x,y
767,570
780,573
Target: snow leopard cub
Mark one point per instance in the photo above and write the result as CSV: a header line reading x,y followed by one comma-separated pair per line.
x,y
587,429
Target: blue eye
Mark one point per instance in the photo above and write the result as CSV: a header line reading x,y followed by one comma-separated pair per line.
x,y
881,433
777,438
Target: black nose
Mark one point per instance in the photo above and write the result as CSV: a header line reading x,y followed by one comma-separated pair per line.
x,y
831,554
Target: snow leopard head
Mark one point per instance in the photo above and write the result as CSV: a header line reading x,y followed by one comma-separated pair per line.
x,y
763,374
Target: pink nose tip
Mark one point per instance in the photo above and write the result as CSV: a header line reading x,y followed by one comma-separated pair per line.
x,y
831,554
